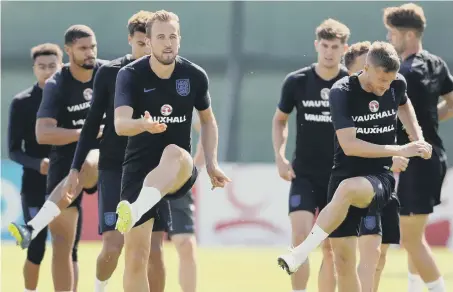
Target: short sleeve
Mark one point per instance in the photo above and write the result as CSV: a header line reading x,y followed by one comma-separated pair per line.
x,y
339,109
287,100
403,94
124,88
447,84
203,98
51,99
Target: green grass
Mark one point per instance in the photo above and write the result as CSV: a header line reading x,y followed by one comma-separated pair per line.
x,y
220,270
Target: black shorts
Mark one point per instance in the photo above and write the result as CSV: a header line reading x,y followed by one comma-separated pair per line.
x,y
308,193
419,187
182,216
131,186
383,185
386,223
109,196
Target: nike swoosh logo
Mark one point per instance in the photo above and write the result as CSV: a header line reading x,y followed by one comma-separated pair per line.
x,y
148,90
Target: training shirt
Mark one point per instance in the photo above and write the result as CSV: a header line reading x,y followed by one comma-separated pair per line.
x,y
427,77
306,91
67,100
170,101
373,117
112,146
22,145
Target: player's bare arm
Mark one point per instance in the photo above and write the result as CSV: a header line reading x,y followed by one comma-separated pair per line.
x,y
279,141
445,107
47,130
48,133
352,146
406,114
210,140
125,125
209,136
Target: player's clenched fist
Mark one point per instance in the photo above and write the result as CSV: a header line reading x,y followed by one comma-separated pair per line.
x,y
151,126
417,148
399,164
285,169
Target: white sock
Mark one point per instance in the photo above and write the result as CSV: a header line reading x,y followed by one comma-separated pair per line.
x,y
99,286
47,213
313,240
147,198
300,290
26,290
436,286
415,283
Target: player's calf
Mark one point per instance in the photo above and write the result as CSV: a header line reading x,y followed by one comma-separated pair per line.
x,y
112,245
301,224
156,267
344,250
63,231
370,252
380,266
327,281
174,170
413,240
186,246
136,254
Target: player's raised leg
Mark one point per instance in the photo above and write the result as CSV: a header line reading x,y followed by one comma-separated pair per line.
x,y
174,170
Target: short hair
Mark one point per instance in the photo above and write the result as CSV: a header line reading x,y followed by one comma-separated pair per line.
x,y
46,49
408,16
162,16
75,32
137,22
331,29
354,51
384,55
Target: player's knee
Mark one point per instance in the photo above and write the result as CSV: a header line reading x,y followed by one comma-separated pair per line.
x,y
156,260
186,247
344,262
299,236
351,190
175,152
327,251
137,258
112,245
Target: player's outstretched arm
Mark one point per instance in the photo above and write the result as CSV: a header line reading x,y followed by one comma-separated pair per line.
x,y
408,118
47,130
92,127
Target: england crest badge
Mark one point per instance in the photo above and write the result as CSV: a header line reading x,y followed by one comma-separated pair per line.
x,y
183,87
